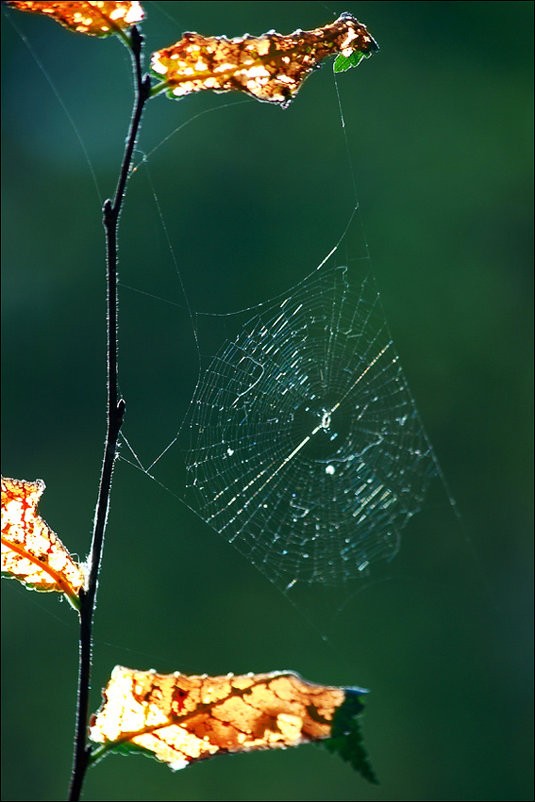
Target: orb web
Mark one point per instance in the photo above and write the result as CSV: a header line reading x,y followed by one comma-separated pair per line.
x,y
306,448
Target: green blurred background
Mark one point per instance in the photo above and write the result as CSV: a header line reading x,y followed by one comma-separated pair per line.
x,y
439,128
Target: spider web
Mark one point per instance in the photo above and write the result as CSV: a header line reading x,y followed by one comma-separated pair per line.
x,y
306,450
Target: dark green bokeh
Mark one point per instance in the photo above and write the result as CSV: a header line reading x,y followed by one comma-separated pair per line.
x,y
439,128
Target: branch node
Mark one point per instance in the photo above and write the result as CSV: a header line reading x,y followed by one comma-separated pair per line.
x,y
146,87
107,211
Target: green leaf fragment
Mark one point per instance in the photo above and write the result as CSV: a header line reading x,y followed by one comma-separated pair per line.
x,y
346,739
343,63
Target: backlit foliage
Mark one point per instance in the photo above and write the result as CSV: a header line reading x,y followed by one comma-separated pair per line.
x,y
93,18
180,719
31,551
270,67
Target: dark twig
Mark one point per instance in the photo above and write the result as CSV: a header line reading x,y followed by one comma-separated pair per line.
x,y
115,414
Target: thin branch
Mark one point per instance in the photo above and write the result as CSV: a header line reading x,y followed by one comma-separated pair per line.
x,y
115,414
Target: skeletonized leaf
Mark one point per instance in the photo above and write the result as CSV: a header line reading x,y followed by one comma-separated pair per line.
x,y
180,719
270,67
31,551
93,18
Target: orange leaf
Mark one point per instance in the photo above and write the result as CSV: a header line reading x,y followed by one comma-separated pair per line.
x,y
93,18
31,552
270,67
180,719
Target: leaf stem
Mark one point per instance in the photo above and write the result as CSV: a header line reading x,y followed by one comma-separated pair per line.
x,y
158,88
114,417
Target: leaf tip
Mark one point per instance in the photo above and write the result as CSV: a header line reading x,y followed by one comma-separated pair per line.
x,y
346,736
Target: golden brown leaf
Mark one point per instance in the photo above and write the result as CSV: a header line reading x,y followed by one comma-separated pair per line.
x,y
180,719
31,551
93,18
270,67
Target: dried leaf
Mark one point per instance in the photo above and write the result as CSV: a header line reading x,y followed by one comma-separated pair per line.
x,y
270,67
93,18
180,719
31,551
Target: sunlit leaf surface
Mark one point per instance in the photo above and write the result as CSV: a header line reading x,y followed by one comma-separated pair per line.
x,y
270,67
93,18
180,719
31,551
